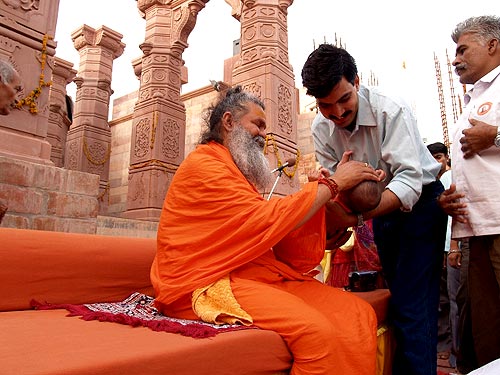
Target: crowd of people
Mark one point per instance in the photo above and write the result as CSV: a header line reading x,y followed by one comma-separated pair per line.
x,y
224,251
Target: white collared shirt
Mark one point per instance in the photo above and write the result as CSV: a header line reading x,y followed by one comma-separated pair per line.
x,y
478,177
386,136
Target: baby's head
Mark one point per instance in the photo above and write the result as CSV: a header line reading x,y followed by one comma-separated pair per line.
x,y
363,197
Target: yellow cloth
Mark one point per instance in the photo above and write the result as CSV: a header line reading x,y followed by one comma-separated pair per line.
x,y
216,304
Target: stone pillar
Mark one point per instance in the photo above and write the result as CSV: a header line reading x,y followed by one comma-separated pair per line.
x,y
26,32
263,68
59,118
88,144
159,120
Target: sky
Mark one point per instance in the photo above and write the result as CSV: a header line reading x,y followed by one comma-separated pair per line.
x,y
383,36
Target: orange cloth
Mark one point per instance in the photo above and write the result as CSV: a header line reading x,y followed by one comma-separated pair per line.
x,y
229,223
215,223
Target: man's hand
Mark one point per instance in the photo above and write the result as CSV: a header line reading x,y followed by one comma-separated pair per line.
x,y
349,173
455,259
316,175
450,203
477,138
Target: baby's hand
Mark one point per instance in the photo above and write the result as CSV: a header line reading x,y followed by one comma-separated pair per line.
x,y
316,175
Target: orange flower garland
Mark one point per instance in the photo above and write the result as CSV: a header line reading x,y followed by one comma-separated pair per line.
x,y
270,138
31,99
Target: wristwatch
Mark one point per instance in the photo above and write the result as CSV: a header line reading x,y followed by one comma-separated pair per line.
x,y
497,138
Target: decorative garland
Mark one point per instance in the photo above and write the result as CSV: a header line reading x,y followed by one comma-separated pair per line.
x,y
101,195
270,137
153,130
31,99
89,156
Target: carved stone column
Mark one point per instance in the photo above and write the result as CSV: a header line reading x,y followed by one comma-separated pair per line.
x,y
88,144
26,32
263,68
159,120
59,118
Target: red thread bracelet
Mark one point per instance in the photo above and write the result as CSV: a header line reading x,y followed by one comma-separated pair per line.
x,y
331,184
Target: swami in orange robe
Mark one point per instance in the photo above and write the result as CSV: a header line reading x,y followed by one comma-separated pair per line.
x,y
215,226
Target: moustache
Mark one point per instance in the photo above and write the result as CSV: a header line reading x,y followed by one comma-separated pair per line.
x,y
460,67
261,141
344,115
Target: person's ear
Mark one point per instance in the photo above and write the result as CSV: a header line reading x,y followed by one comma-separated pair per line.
x,y
356,82
227,121
493,46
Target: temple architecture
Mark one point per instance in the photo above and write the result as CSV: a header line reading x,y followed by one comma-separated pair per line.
x,y
67,167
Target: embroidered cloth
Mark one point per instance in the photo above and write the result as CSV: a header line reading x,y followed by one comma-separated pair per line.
x,y
138,310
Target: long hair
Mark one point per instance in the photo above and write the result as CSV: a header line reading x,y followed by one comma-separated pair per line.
x,y
233,100
7,72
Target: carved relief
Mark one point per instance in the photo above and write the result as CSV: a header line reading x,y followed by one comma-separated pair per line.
x,y
158,93
8,45
161,59
144,95
285,109
170,141
174,79
146,61
26,5
267,30
181,21
146,77
139,188
142,132
249,14
268,11
268,52
250,55
159,74
143,5
249,33
97,153
254,88
73,154
95,169
283,37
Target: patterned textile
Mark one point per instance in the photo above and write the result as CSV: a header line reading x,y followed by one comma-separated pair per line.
x,y
138,310
362,257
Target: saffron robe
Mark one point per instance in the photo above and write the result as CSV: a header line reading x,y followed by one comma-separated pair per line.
x,y
215,223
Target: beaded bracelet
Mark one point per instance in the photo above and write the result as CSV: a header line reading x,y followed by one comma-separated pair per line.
x,y
331,184
454,251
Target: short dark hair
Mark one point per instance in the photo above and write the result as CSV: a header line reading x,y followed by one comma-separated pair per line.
x,y
325,67
437,147
363,197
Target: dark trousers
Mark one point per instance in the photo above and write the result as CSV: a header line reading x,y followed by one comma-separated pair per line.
x,y
466,356
484,294
410,246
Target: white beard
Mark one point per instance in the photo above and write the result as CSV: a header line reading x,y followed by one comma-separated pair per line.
x,y
248,157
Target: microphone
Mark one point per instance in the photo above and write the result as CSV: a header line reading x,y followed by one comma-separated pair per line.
x,y
289,163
